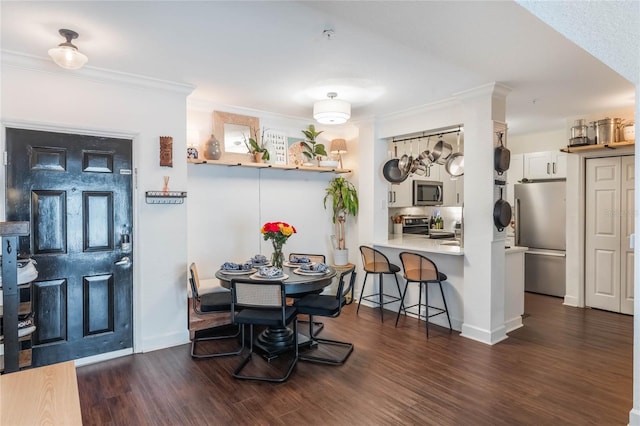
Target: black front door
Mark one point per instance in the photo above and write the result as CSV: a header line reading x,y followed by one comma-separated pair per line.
x,y
75,190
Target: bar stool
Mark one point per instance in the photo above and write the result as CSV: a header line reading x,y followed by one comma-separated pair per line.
x,y
375,262
422,270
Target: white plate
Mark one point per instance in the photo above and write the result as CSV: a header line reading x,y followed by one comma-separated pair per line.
x,y
296,265
303,272
238,271
257,276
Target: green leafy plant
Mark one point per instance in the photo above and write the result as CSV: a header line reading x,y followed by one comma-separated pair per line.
x,y
312,149
344,201
254,147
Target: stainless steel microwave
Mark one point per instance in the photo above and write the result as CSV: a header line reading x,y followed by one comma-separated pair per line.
x,y
427,193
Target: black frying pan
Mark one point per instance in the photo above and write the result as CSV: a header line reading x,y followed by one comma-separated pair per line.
x,y
392,172
501,157
501,213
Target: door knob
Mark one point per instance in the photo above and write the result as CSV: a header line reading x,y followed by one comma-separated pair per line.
x,y
125,261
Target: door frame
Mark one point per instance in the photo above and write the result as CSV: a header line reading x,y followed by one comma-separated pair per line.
x,y
90,131
576,175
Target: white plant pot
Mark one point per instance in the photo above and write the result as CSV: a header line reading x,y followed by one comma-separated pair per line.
x,y
340,257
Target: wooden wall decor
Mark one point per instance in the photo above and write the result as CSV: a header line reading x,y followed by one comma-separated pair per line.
x,y
166,151
231,129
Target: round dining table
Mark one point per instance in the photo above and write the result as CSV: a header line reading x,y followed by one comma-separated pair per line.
x,y
274,340
296,284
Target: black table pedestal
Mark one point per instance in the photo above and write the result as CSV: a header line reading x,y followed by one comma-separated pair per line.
x,y
275,340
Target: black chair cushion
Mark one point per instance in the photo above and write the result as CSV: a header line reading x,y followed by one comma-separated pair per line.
x,y
441,277
315,304
394,268
267,317
214,302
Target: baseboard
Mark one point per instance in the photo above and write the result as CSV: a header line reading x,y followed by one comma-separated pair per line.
x,y
165,341
103,357
484,336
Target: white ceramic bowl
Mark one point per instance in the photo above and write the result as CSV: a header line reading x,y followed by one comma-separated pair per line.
x,y
328,163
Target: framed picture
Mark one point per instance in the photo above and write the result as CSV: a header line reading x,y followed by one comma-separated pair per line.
x,y
276,142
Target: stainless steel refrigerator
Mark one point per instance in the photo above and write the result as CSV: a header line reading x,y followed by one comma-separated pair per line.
x,y
540,225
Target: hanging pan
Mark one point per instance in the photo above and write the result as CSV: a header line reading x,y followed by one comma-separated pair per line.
x,y
392,172
455,163
501,213
501,156
441,152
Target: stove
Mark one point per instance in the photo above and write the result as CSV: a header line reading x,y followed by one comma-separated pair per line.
x,y
415,225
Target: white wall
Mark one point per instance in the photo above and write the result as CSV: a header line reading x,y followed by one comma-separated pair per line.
x,y
91,101
228,205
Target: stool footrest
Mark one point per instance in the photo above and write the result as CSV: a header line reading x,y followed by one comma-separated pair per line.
x,y
420,315
377,298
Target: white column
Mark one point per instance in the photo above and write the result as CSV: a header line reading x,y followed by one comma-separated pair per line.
x,y
484,266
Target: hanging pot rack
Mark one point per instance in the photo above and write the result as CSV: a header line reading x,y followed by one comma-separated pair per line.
x,y
427,135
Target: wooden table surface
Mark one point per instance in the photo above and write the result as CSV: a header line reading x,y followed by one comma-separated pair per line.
x,y
41,396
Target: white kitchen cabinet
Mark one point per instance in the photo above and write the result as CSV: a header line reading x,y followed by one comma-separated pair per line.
x,y
609,222
453,190
545,165
514,175
435,173
401,195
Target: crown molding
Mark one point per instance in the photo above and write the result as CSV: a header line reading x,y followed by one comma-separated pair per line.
x,y
36,63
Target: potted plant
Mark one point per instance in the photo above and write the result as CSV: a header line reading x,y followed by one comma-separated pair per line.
x,y
344,202
311,148
257,149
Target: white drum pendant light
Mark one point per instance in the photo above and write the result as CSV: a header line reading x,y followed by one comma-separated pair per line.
x,y
332,111
66,54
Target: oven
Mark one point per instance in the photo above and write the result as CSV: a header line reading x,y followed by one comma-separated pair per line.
x,y
427,193
417,225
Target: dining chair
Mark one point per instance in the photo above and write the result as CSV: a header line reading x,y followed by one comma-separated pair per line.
x,y
217,302
422,270
316,258
263,303
327,306
376,263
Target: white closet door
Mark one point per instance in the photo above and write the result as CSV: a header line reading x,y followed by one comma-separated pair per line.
x,y
602,234
627,213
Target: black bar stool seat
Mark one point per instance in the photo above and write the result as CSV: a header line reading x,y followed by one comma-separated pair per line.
x,y
375,262
422,270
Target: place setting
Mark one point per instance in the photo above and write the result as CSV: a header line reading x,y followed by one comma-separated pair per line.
x,y
269,273
232,268
298,261
312,269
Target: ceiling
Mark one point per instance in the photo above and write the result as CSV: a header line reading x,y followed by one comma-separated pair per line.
x,y
384,57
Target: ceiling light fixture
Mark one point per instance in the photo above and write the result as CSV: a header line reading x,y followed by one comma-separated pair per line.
x,y
331,111
66,54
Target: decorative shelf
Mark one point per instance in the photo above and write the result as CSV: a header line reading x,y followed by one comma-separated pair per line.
x,y
598,147
269,166
168,197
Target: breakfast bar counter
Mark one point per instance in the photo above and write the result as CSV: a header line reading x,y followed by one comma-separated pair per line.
x,y
449,258
422,243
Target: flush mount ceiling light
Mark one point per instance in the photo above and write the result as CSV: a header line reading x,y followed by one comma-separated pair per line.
x,y
66,54
332,111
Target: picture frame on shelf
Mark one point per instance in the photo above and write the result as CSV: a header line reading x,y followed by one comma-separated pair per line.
x,y
277,143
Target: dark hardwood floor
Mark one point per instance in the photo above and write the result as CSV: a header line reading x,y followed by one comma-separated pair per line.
x,y
566,366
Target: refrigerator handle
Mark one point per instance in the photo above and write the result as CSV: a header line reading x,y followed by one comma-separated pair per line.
x,y
548,168
546,253
517,216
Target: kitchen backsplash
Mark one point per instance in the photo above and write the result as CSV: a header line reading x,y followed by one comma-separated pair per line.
x,y
450,215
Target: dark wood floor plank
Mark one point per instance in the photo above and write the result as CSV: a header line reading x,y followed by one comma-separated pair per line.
x,y
566,366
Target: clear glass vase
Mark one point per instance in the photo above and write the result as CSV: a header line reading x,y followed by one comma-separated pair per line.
x,y
277,257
